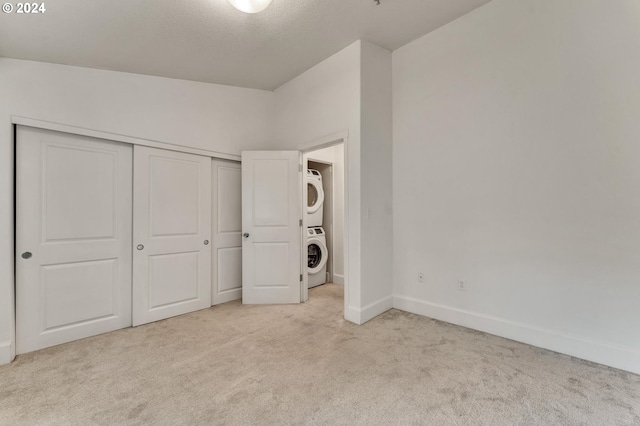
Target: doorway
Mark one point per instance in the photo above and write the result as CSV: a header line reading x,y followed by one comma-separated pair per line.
x,y
325,234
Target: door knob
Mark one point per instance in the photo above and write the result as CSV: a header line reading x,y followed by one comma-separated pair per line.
x,y
245,235
26,255
140,247
206,242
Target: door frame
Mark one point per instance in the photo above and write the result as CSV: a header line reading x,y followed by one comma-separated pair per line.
x,y
314,145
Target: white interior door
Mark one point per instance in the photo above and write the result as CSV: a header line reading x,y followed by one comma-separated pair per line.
x,y
271,226
73,242
171,233
226,229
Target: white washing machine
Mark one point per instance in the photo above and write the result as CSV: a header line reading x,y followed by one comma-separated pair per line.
x,y
318,256
315,198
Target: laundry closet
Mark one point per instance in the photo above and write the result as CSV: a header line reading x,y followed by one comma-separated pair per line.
x,y
325,215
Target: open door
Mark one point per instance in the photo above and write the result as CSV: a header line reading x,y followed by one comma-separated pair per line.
x,y
271,226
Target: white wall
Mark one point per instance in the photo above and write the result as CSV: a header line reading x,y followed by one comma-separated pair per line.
x,y
214,117
376,175
335,155
515,158
332,97
322,101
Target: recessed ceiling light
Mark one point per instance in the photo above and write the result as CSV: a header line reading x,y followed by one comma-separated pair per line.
x,y
250,6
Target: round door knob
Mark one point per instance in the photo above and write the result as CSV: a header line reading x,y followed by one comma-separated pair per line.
x,y
206,242
26,255
246,235
140,247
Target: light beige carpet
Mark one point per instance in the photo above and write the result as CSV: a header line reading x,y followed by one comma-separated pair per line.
x,y
303,364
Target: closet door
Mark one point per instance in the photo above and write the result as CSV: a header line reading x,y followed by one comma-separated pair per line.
x,y
227,230
171,234
73,227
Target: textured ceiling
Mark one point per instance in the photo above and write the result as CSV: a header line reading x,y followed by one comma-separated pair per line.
x,y
210,41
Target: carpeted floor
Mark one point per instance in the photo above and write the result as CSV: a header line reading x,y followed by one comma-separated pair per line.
x,y
303,364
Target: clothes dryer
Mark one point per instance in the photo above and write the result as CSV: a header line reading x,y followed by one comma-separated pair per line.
x,y
315,198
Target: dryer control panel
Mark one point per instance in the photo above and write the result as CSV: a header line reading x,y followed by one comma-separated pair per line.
x,y
315,231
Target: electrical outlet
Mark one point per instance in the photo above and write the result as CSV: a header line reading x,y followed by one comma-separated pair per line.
x,y
462,286
420,277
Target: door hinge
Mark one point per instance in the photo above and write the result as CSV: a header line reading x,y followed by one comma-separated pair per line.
x,y
300,277
299,167
300,223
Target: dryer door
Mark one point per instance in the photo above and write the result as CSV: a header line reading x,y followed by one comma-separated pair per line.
x,y
315,195
317,255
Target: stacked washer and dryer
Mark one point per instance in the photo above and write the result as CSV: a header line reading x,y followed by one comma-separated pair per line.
x,y
316,237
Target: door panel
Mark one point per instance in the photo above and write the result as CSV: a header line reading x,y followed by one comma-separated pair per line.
x,y
172,229
78,292
90,186
167,269
230,270
271,192
265,256
74,217
271,214
227,226
230,198
173,190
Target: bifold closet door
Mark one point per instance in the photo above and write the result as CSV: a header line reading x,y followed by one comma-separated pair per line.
x,y
73,237
171,234
227,231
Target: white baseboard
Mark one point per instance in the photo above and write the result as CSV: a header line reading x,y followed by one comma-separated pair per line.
x,y
617,356
5,353
368,312
338,279
352,315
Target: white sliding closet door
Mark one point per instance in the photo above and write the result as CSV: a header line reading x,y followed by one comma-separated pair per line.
x,y
73,226
227,230
172,231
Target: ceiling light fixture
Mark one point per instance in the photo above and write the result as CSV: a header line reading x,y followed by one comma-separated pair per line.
x,y
250,6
